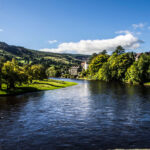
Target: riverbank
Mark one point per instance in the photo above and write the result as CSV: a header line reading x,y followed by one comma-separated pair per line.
x,y
144,84
147,84
36,85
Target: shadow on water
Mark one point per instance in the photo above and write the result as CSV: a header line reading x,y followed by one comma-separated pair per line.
x,y
118,89
7,102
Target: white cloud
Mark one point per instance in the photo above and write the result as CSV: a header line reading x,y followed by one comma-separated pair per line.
x,y
52,41
140,26
127,40
1,30
149,27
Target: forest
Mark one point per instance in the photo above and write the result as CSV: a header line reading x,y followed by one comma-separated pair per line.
x,y
120,66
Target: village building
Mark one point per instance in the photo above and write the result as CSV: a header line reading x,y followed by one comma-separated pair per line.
x,y
84,65
74,70
137,56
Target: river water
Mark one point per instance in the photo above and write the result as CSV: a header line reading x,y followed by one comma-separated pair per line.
x,y
91,115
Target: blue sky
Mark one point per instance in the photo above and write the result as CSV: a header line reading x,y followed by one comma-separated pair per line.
x,y
76,26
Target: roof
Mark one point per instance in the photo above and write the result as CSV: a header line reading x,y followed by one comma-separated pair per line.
x,y
74,67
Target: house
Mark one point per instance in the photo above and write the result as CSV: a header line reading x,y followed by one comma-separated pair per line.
x,y
84,65
137,56
74,70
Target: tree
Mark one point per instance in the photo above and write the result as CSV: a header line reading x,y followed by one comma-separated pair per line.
x,y
132,55
143,65
119,50
1,64
22,76
92,57
104,73
133,75
51,72
118,65
97,63
28,72
148,73
139,72
38,72
103,52
10,72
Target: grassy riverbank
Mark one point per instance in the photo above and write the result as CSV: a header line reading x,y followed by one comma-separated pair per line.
x,y
37,85
147,84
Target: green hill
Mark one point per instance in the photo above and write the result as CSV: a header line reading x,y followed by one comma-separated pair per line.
x,y
28,56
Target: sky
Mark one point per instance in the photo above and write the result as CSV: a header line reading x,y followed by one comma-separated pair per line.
x,y
76,26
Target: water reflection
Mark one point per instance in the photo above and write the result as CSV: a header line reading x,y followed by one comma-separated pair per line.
x,y
90,115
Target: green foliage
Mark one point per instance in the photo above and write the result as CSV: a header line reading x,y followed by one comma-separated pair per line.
x,y
84,73
103,52
38,72
139,72
30,65
28,73
10,71
120,66
104,72
51,72
119,50
1,64
133,74
36,85
92,57
97,63
12,74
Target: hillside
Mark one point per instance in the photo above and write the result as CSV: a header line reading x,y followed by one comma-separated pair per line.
x,y
24,55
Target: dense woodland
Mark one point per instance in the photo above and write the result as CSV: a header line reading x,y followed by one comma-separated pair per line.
x,y
119,66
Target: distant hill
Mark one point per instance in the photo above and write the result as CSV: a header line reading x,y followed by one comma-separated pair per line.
x,y
24,56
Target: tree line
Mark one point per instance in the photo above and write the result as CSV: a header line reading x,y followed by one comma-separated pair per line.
x,y
119,66
12,73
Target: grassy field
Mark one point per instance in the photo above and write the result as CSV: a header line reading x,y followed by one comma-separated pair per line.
x,y
37,85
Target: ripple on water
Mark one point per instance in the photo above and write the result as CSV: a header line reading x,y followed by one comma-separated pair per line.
x,y
90,115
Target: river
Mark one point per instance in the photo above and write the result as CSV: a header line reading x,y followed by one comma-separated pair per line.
x,y
91,115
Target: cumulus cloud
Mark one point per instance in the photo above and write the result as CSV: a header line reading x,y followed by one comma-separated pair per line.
x,y
1,30
126,40
52,41
140,26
